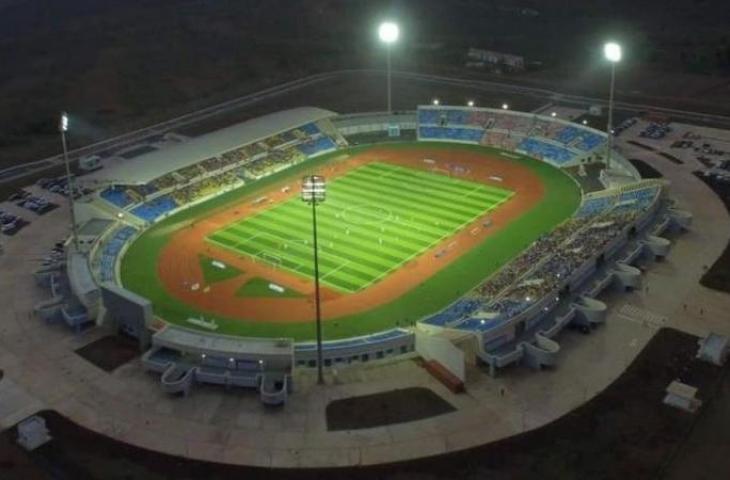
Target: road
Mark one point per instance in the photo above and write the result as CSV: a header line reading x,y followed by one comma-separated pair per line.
x,y
18,172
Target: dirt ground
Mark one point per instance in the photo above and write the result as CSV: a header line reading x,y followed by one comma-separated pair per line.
x,y
386,408
179,266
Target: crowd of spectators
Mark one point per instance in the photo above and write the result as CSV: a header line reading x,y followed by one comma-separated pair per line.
x,y
252,161
552,259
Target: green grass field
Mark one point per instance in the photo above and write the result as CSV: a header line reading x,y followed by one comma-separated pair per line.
x,y
562,197
376,218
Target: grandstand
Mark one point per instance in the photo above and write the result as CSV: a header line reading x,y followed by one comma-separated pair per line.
x,y
152,185
556,141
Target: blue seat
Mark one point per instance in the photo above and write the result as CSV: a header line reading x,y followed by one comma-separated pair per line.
x,y
316,146
552,153
451,133
153,209
117,197
310,129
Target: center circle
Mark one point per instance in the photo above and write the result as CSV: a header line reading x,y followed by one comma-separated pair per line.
x,y
366,215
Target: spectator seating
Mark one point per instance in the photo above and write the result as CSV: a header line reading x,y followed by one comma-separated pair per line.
x,y
453,312
595,206
117,196
447,133
319,145
109,251
153,209
552,153
310,129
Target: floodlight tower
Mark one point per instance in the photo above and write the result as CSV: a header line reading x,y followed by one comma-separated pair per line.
x,y
63,128
313,193
388,33
612,52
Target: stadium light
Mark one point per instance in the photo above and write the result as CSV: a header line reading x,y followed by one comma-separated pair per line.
x,y
388,33
470,103
436,101
314,191
63,123
613,53
63,128
505,106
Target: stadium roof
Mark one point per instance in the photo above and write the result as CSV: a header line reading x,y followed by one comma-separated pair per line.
x,y
144,168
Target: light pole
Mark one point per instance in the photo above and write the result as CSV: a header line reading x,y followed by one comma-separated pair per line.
x,y
388,33
612,52
313,193
63,128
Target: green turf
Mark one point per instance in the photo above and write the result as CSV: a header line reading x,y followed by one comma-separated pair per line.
x,y
212,274
376,218
259,287
562,197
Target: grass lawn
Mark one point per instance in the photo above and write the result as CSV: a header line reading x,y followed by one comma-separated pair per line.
x,y
213,274
562,197
259,287
375,218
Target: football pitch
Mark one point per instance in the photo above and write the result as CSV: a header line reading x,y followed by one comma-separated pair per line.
x,y
375,218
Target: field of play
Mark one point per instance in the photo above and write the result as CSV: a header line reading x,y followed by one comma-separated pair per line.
x,y
376,218
405,230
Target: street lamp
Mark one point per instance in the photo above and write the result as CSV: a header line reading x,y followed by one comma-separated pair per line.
x,y
313,192
612,52
388,33
63,128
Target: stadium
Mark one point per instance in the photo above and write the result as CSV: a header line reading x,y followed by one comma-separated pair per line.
x,y
479,273
465,235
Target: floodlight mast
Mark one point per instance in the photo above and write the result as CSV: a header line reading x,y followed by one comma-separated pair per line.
x,y
63,128
388,33
613,53
314,192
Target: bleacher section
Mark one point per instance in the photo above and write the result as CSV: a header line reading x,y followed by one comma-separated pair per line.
x,y
117,196
538,273
448,133
109,251
545,151
229,169
315,147
453,313
595,206
546,138
154,209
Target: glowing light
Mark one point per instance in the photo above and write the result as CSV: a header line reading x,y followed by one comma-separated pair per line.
x,y
63,123
388,32
612,52
313,188
505,106
436,101
470,103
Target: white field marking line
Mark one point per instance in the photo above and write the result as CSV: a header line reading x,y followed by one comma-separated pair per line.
x,y
341,266
458,182
435,242
258,256
323,254
390,219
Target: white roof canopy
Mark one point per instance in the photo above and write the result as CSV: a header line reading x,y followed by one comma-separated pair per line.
x,y
147,167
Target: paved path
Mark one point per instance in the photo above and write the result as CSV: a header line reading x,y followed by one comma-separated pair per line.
x,y
42,371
